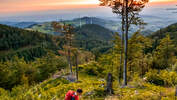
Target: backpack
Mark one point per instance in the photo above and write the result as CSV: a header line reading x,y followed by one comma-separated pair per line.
x,y
70,95
73,97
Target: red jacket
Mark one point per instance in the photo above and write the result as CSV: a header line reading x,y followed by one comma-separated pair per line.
x,y
71,95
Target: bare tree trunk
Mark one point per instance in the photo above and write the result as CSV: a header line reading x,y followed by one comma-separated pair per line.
x,y
122,43
175,92
120,68
77,76
69,53
109,89
126,46
143,71
167,54
69,60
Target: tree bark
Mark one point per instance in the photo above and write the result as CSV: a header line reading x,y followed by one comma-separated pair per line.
x,y
122,43
126,45
109,89
77,76
69,60
69,52
176,92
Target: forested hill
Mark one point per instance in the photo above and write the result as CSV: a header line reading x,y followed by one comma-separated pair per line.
x,y
93,37
171,30
23,43
88,36
94,31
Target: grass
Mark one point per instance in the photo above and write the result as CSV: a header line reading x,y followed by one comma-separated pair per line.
x,y
55,89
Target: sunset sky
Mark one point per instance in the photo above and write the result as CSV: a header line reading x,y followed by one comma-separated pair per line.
x,y
15,6
47,10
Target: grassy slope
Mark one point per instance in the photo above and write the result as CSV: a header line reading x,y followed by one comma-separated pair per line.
x,y
52,88
55,89
44,28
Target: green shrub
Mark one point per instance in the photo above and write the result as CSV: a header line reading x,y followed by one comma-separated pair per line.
x,y
94,69
137,82
170,78
163,78
174,67
99,92
154,78
18,71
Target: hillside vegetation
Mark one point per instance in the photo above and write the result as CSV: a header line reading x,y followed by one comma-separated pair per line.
x,y
152,64
93,37
171,30
23,43
93,31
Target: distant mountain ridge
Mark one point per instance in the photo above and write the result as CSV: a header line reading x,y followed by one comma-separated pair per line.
x,y
113,24
19,24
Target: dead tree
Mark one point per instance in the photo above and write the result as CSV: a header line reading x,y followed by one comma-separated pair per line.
x,y
68,33
76,53
109,89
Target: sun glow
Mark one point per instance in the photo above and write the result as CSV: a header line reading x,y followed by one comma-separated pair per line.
x,y
161,0
74,3
97,1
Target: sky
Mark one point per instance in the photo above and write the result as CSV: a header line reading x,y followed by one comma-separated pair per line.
x,y
10,6
16,6
49,8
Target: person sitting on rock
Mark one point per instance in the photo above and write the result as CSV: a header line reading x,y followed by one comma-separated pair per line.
x,y
72,95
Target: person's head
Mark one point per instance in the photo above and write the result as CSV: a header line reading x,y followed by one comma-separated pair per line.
x,y
79,91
